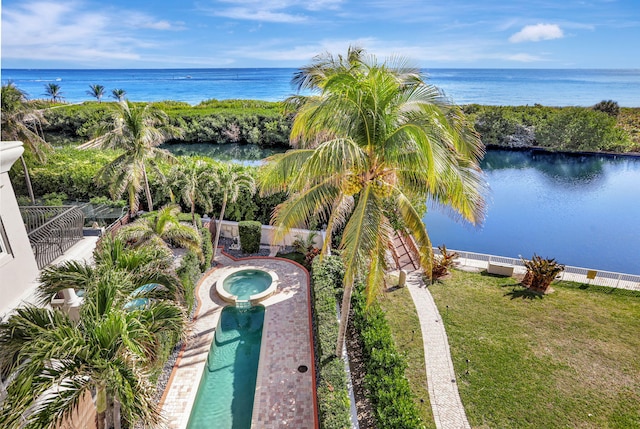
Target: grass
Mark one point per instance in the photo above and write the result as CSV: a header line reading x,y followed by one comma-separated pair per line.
x,y
568,359
405,329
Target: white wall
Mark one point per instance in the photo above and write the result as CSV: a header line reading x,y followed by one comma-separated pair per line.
x,y
18,268
230,230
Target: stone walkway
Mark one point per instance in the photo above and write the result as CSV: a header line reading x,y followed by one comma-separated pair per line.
x,y
448,411
285,396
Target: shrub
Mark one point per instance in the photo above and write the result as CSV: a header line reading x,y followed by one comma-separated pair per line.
x,y
388,388
189,273
250,233
207,249
540,273
609,107
442,262
333,394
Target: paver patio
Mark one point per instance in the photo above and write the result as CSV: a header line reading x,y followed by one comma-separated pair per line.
x,y
285,397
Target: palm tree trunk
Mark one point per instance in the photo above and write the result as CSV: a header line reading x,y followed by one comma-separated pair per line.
x,y
27,180
219,228
344,318
101,405
146,188
193,212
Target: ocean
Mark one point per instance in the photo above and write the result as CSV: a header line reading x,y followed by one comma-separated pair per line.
x,y
551,87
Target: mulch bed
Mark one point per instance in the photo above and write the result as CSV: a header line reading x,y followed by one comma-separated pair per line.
x,y
366,417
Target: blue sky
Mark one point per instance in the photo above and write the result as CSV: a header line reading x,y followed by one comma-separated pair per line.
x,y
288,33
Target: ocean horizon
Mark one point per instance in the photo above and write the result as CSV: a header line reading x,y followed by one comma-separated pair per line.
x,y
550,87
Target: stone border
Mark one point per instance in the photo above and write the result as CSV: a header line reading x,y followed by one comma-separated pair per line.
x,y
253,299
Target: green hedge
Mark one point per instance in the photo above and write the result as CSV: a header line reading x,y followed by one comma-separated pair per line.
x,y
250,233
387,386
189,272
332,391
207,248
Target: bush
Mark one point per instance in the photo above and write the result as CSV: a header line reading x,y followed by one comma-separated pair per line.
x,y
333,394
609,107
189,273
388,388
207,249
250,233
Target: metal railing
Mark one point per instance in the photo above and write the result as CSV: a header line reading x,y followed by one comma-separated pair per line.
x,y
570,273
52,230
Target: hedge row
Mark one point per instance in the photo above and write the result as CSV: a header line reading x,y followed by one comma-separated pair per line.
x,y
191,269
387,386
250,233
333,395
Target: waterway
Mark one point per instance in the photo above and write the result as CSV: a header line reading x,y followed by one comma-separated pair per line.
x,y
583,210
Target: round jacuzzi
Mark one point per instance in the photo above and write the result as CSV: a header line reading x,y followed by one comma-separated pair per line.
x,y
246,285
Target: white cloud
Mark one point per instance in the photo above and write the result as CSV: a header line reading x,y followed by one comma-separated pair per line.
x,y
524,58
74,31
535,33
278,11
260,15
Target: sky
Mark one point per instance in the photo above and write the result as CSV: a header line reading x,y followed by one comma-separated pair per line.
x,y
289,33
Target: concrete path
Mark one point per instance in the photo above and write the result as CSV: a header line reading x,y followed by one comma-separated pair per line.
x,y
448,411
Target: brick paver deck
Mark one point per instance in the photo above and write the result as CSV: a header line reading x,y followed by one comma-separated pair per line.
x,y
285,397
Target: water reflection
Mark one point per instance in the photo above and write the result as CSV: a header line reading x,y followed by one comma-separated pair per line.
x,y
242,154
582,210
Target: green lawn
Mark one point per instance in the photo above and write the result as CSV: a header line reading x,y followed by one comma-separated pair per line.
x,y
570,359
405,329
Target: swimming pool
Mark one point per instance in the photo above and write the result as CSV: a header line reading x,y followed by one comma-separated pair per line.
x,y
246,285
227,387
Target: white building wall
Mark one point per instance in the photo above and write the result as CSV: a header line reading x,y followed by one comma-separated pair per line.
x,y
18,268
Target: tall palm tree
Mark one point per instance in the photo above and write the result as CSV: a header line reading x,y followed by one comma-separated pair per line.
x,y
230,180
54,91
52,362
193,181
138,130
23,123
118,94
375,136
96,91
163,228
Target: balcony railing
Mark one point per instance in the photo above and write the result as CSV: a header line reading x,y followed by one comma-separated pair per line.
x,y
52,230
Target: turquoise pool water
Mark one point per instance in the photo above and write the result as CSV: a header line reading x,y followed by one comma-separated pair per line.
x,y
227,387
245,283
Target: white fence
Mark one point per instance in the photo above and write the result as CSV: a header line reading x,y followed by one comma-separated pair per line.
x,y
574,274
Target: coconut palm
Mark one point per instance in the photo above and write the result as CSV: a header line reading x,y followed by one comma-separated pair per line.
x,y
230,180
118,94
96,91
376,136
193,181
54,91
137,130
161,229
145,265
23,123
52,362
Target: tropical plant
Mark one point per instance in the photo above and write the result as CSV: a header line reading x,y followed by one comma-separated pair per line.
x,y
193,181
23,123
375,132
54,91
609,107
540,272
51,362
138,130
442,262
96,91
307,247
163,228
229,180
118,94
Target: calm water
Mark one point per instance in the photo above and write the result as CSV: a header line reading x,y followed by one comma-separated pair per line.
x,y
483,86
228,384
582,210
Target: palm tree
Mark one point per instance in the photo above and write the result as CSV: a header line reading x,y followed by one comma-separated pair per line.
x,y
163,228
96,91
138,130
376,136
118,94
54,91
52,362
230,180
23,123
193,180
